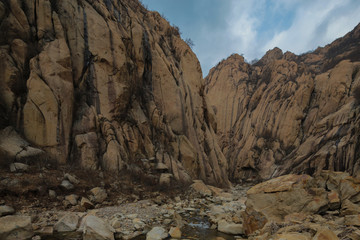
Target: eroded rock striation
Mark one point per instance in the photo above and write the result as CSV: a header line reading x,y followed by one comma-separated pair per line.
x,y
106,84
287,113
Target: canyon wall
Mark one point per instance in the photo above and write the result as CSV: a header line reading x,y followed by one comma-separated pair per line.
x,y
288,113
106,85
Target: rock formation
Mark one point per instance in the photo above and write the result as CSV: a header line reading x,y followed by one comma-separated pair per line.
x,y
106,84
289,113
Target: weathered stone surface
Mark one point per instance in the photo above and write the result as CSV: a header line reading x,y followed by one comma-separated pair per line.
x,y
73,199
230,228
14,147
6,210
15,227
165,179
286,113
175,232
67,223
201,188
71,178
352,220
65,184
98,195
18,167
292,236
325,234
94,228
86,203
113,79
157,233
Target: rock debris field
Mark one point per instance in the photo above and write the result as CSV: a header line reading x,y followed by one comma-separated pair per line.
x,y
287,207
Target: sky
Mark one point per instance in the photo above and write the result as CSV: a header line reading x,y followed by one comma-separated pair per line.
x,y
219,28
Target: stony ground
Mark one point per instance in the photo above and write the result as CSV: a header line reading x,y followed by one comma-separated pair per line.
x,y
125,202
43,203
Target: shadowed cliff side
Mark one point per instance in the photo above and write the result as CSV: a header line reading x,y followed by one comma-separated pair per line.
x,y
106,84
289,113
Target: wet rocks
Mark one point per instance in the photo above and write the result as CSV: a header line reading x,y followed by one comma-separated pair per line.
x,y
15,227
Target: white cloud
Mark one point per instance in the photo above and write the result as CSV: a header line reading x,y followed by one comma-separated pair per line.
x,y
316,24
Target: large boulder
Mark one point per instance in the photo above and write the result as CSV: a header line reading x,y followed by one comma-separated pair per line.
x,y
94,228
67,223
291,198
15,227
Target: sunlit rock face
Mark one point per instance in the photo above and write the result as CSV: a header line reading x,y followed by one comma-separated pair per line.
x,y
106,85
288,113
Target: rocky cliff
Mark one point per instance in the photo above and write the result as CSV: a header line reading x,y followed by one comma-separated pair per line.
x,y
289,113
104,85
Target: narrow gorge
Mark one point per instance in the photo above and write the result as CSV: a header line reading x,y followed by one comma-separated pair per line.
x,y
109,130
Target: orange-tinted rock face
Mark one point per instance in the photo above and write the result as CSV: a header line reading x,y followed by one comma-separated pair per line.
x,y
288,113
106,84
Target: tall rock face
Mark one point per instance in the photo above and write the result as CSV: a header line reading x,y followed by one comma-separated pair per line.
x,y
106,84
289,113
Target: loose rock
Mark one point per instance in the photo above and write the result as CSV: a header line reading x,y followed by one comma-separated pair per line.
x,y
157,233
6,210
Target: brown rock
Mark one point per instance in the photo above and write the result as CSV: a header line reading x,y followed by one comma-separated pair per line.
x,y
292,236
175,232
201,188
325,234
352,220
15,227
349,208
286,113
98,195
85,203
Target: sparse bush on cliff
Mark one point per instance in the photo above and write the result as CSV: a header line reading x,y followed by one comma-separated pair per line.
x,y
190,42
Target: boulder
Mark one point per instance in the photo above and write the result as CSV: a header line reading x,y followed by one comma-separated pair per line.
x,y
15,227
325,234
52,194
94,228
175,232
352,220
6,210
67,223
230,228
98,195
157,233
292,236
165,179
18,167
65,184
14,147
85,203
71,178
73,199
201,188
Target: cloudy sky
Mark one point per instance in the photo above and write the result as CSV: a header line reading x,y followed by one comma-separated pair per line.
x,y
219,28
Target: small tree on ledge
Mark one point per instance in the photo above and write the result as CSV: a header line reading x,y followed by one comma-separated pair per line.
x,y
190,42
